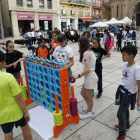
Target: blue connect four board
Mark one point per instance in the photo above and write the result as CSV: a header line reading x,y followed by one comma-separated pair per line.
x,y
44,81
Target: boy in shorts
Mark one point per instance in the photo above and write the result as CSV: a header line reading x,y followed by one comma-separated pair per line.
x,y
128,89
13,110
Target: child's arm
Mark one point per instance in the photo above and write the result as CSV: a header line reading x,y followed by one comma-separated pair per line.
x,y
21,59
71,63
138,99
86,71
108,54
52,49
8,66
20,101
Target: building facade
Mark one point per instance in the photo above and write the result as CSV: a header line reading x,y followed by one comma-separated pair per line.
x,y
97,10
122,8
74,14
21,15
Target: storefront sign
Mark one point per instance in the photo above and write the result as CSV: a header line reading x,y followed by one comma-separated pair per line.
x,y
45,17
63,20
32,25
46,25
25,16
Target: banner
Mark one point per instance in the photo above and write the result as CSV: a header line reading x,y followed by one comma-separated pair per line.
x,y
32,25
46,25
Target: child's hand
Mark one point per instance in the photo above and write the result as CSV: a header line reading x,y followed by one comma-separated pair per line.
x,y
54,47
27,119
74,77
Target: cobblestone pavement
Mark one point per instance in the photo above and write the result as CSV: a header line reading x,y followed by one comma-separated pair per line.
x,y
101,126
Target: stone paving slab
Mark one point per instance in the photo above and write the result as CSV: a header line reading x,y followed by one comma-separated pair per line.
x,y
94,130
109,116
99,105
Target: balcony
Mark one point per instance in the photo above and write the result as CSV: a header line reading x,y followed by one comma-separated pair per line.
x,y
80,13
97,5
63,12
72,12
97,16
87,14
77,2
106,3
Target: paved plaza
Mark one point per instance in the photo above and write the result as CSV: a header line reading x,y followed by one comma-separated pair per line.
x,y
101,126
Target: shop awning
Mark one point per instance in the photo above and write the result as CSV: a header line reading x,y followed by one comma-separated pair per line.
x,y
87,19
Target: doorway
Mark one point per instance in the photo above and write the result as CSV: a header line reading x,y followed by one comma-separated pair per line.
x,y
63,26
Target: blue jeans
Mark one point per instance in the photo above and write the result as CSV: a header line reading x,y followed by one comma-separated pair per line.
x,y
123,113
94,35
30,39
134,41
50,40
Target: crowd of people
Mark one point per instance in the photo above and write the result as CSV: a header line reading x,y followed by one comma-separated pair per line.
x,y
12,106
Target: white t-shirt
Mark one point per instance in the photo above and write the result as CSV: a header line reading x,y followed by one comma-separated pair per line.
x,y
39,34
29,34
130,77
33,34
72,32
112,36
89,55
63,54
124,33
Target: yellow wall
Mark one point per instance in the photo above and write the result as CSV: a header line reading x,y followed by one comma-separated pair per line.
x,y
76,9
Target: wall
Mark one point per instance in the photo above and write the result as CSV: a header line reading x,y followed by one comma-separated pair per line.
x,y
10,6
6,18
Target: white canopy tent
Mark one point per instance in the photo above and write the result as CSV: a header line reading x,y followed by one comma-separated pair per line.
x,y
99,24
115,22
127,20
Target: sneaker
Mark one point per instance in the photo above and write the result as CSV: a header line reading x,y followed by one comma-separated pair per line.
x,y
98,95
85,109
93,93
121,136
117,127
86,116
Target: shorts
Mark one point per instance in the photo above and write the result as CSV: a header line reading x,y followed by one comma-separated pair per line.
x,y
8,127
16,75
90,80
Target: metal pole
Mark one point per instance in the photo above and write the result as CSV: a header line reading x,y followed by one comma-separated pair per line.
x,y
1,24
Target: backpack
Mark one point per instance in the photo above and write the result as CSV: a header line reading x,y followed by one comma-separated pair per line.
x,y
134,34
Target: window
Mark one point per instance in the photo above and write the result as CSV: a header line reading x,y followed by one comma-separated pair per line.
x,y
72,10
87,12
29,3
41,3
63,9
117,10
49,3
19,2
80,11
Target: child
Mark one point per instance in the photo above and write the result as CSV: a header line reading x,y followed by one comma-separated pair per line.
x,y
88,58
107,42
64,53
99,53
13,60
54,43
119,37
13,110
128,89
43,51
